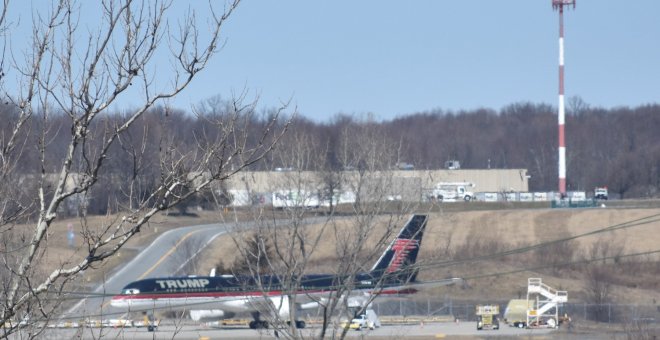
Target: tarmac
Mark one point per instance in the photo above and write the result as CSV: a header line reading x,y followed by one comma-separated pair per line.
x,y
448,330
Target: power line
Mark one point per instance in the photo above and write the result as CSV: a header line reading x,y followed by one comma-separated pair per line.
x,y
439,264
624,225
569,263
448,263
192,305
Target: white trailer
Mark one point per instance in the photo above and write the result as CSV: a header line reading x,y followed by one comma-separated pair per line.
x,y
288,199
343,197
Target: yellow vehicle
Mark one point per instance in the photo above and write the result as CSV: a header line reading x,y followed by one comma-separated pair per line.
x,y
515,313
488,317
149,322
368,319
354,324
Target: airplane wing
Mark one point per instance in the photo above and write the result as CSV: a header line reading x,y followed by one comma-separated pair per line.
x,y
391,277
436,283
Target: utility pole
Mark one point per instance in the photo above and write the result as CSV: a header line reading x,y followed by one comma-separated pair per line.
x,y
559,5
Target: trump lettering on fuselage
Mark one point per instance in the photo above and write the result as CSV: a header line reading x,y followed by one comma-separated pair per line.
x,y
183,283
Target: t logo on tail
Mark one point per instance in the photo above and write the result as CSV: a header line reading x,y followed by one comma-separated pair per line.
x,y
402,249
397,262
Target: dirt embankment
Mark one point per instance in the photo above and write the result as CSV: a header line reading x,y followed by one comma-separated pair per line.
x,y
458,235
59,252
469,234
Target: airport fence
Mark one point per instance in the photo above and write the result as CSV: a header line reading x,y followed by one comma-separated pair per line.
x,y
461,310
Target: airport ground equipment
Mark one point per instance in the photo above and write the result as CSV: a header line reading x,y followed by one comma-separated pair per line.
x,y
368,319
544,302
488,317
515,313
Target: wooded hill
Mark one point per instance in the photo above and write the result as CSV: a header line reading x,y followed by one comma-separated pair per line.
x,y
618,148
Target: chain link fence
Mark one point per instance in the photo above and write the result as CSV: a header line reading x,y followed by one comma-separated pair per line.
x,y
462,310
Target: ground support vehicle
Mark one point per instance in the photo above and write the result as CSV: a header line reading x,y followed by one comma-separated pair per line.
x,y
515,313
539,310
148,321
488,317
368,319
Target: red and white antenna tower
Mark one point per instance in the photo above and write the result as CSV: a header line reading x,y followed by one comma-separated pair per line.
x,y
559,5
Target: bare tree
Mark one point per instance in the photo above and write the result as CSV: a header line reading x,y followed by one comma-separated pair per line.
x,y
601,276
294,244
577,105
73,75
598,291
184,260
303,240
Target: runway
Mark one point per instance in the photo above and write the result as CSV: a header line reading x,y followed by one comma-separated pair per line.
x,y
155,260
164,257
463,330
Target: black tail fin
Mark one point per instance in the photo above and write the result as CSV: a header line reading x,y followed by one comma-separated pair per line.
x,y
396,262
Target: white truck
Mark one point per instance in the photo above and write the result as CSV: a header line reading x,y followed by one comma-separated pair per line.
x,y
453,191
600,193
452,165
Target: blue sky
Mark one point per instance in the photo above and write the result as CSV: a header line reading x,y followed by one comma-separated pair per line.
x,y
397,57
393,58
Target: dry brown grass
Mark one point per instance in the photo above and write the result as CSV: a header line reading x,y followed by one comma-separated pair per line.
x,y
517,227
511,228
445,233
59,254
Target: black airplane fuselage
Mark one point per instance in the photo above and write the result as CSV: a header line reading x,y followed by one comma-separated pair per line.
x,y
391,274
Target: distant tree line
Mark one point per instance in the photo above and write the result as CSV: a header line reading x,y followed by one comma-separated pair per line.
x,y
618,148
150,151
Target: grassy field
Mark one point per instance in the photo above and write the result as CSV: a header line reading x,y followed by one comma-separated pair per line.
x,y
483,232
60,254
457,231
456,234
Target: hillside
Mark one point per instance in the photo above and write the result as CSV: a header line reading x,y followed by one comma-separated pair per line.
x,y
513,229
466,234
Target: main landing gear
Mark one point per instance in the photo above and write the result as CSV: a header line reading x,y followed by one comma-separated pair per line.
x,y
299,324
257,323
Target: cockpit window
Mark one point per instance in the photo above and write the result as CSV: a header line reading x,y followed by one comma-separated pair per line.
x,y
130,291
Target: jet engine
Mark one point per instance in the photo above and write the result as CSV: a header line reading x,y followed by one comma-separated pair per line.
x,y
209,315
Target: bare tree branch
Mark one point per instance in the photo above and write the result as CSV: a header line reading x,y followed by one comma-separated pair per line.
x,y
69,80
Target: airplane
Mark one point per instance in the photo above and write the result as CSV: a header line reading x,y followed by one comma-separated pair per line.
x,y
223,296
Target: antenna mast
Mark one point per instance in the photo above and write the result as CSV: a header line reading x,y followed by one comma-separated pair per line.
x,y
559,5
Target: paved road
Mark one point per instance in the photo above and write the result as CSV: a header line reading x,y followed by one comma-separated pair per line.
x,y
164,257
161,258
